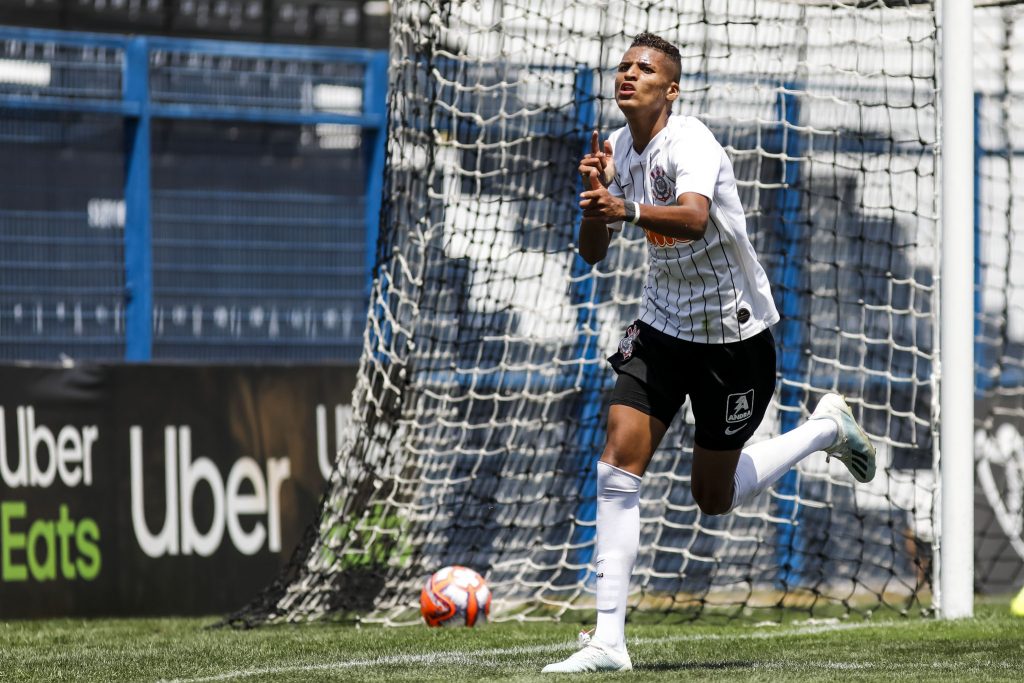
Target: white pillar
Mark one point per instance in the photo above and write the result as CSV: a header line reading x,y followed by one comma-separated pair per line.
x,y
956,435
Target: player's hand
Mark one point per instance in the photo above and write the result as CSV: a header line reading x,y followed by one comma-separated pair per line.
x,y
599,158
598,202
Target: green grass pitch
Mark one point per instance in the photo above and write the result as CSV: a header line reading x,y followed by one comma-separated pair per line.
x,y
989,647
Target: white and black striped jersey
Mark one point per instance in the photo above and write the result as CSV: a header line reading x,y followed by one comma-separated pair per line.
x,y
711,290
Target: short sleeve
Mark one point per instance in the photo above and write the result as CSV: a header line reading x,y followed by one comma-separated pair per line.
x,y
698,160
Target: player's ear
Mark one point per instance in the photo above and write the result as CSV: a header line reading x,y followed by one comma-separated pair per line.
x,y
673,91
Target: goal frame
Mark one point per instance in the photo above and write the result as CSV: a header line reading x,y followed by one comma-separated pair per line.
x,y
954,572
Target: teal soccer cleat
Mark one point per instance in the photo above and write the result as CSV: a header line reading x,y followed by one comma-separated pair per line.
x,y
851,446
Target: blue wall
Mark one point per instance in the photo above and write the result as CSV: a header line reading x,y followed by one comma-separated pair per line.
x,y
186,199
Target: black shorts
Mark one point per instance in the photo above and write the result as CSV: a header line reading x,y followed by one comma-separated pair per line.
x,y
729,385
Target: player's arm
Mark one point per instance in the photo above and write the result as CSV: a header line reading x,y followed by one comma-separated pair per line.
x,y
595,235
687,219
598,171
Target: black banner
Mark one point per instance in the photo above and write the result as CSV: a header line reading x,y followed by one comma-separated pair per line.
x,y
158,490
999,493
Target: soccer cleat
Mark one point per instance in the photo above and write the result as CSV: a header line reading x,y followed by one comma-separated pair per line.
x,y
594,657
1017,604
851,446
583,637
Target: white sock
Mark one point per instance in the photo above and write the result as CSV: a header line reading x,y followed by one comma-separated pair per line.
x,y
618,537
762,464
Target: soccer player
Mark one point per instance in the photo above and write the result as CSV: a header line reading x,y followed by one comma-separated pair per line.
x,y
703,331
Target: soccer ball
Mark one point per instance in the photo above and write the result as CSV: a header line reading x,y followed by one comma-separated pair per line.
x,y
455,596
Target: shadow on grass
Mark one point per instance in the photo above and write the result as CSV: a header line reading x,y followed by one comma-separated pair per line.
x,y
695,666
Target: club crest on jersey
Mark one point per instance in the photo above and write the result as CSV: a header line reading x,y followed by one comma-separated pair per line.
x,y
626,343
739,407
660,184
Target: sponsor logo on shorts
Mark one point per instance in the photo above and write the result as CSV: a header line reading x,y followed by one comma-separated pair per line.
x,y
626,343
739,407
729,431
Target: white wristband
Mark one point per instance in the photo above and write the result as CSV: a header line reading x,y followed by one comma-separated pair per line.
x,y
636,213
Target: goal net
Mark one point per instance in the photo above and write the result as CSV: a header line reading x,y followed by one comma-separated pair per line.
x,y
999,302
480,406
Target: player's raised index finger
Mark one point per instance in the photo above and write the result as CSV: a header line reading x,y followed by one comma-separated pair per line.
x,y
595,143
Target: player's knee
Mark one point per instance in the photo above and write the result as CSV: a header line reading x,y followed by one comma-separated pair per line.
x,y
616,457
712,501
715,507
621,454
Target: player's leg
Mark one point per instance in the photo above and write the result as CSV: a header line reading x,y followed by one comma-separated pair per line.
x,y
639,415
831,428
711,479
725,479
640,412
732,387
729,404
633,437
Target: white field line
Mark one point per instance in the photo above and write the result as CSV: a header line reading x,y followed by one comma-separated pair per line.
x,y
474,656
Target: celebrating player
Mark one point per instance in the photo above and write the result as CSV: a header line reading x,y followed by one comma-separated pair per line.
x,y
703,332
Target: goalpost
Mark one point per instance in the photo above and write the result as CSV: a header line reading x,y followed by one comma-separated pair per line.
x,y
956,568
478,414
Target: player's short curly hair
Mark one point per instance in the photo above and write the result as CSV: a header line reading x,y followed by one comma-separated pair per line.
x,y
658,43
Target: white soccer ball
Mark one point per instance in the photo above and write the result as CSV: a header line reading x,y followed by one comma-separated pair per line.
x,y
455,596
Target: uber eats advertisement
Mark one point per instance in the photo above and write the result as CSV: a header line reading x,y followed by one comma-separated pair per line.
x,y
152,490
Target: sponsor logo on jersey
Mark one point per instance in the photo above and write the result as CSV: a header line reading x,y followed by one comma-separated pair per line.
x,y
739,407
662,188
660,184
626,343
743,315
661,240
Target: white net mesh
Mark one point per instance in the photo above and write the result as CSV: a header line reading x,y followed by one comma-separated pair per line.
x,y
999,329
480,406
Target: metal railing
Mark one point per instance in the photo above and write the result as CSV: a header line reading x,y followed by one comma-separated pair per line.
x,y
186,199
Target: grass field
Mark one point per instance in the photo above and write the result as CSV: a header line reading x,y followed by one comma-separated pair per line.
x,y
989,647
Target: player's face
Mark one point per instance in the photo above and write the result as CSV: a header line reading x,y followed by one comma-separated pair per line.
x,y
644,80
